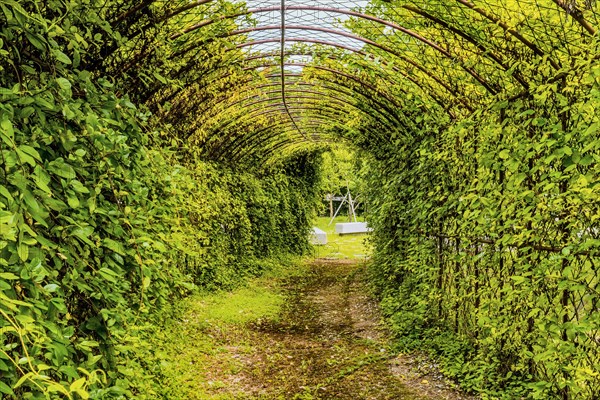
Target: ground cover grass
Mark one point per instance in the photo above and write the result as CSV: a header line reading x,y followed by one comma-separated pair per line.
x,y
353,246
303,331
203,338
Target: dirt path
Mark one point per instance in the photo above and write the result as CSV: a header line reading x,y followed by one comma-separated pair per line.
x,y
326,344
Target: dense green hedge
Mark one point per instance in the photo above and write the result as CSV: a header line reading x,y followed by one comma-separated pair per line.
x,y
102,220
487,241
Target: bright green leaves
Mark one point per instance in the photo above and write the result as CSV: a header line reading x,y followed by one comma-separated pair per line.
x,y
62,169
61,57
486,230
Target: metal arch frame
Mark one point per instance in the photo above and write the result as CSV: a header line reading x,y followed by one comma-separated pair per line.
x,y
282,67
262,137
217,153
495,57
426,73
466,3
214,80
333,99
348,91
343,47
248,151
339,72
438,80
326,94
352,89
470,71
393,126
280,146
485,53
340,89
270,111
395,69
261,112
250,114
387,50
440,102
359,81
351,77
257,142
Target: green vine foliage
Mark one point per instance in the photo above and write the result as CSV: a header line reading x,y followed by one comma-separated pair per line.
x,y
486,235
105,216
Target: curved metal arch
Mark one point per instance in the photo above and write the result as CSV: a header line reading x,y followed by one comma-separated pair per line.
x,y
495,57
353,78
339,72
358,80
217,79
271,109
363,16
466,3
367,41
250,150
386,49
327,120
513,32
427,73
251,114
258,138
431,94
380,107
340,88
325,94
393,126
268,109
440,102
279,147
218,152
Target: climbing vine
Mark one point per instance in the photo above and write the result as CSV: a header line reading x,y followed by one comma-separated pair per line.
x,y
106,213
147,149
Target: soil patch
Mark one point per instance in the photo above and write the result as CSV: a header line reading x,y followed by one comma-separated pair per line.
x,y
327,343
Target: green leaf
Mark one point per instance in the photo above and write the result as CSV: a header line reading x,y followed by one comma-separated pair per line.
x,y
78,187
73,200
64,83
23,251
31,152
108,274
60,56
62,169
4,388
51,287
114,246
25,157
8,276
4,192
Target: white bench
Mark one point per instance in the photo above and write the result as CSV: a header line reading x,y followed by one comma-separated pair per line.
x,y
344,228
317,236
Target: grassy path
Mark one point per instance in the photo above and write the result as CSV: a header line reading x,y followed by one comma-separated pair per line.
x,y
309,333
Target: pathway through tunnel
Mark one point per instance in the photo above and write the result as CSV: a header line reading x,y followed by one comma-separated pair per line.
x,y
311,332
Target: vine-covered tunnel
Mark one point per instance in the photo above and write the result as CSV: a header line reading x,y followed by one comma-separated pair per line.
x,y
152,147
